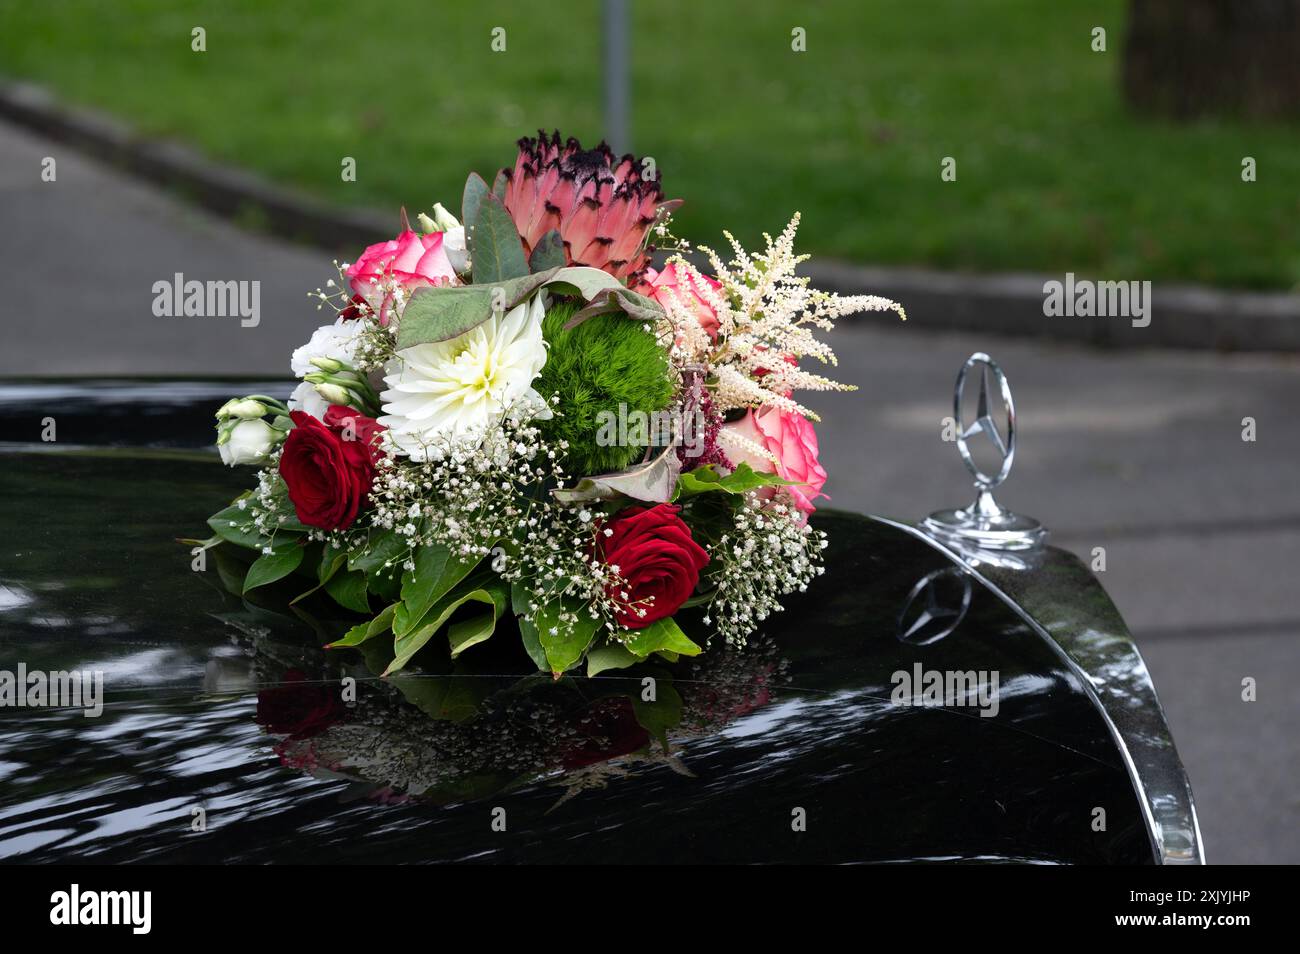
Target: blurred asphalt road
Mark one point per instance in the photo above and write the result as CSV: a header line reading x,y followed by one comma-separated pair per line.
x,y
1137,452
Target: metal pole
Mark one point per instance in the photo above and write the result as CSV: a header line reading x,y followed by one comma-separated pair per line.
x,y
616,64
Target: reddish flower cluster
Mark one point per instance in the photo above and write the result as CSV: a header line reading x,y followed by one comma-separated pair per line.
x,y
602,206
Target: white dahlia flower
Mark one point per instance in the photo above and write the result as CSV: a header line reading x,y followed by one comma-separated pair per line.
x,y
449,390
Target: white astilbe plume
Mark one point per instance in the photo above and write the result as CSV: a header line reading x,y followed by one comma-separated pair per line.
x,y
768,318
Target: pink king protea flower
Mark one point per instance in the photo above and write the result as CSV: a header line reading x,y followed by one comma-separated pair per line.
x,y
602,206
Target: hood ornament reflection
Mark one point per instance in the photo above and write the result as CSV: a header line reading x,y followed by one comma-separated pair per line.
x,y
984,524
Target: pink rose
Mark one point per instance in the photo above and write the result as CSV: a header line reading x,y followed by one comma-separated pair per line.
x,y
791,440
409,261
687,290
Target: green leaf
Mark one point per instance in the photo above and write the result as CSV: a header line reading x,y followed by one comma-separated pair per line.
x,y
499,185
330,563
273,566
547,253
471,632
349,590
362,631
518,598
564,642
497,253
436,573
386,546
404,647
475,189
532,643
236,526
742,480
610,656
420,586
660,636
231,570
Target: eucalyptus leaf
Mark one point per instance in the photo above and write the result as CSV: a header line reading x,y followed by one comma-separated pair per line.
x,y
607,300
497,253
471,198
582,281
441,312
547,253
654,481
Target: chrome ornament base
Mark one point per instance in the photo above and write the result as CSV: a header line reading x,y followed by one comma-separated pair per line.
x,y
987,526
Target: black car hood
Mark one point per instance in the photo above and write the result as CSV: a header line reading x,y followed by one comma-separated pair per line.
x,y
225,716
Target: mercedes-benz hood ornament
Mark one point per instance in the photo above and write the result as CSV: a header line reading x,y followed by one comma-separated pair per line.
x,y
984,523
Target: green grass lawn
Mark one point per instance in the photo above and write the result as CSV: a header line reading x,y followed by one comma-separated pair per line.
x,y
1053,174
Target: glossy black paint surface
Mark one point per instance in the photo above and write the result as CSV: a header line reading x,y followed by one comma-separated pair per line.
x,y
231,706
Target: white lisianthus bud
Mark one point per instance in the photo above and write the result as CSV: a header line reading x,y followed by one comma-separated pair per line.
x,y
334,394
444,219
330,365
248,442
427,225
244,408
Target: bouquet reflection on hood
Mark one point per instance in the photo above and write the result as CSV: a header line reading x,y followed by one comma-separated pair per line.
x,y
423,738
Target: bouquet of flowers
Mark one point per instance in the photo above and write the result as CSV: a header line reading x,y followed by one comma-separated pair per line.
x,y
519,416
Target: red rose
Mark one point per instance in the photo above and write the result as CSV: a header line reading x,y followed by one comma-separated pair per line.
x,y
354,426
329,466
657,560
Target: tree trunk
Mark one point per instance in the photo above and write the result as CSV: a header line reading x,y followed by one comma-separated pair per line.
x,y
1238,58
